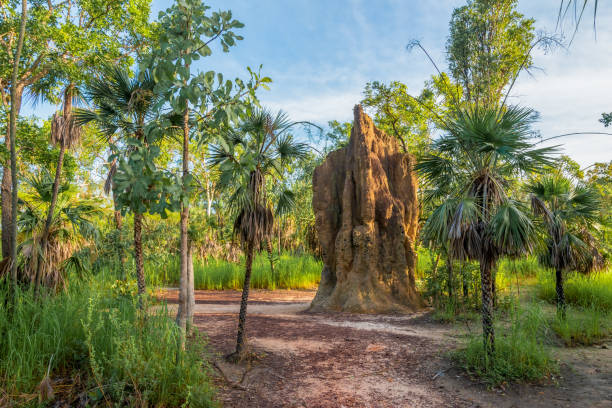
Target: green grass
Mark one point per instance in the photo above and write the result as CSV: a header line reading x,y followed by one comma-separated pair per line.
x,y
291,272
592,291
583,327
521,354
94,341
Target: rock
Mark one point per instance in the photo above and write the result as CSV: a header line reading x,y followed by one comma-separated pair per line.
x,y
366,211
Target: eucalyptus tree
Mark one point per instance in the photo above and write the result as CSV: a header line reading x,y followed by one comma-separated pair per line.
x,y
472,164
567,210
188,31
489,44
258,151
64,40
123,110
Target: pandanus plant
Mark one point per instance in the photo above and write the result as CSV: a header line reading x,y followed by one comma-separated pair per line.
x,y
471,165
259,150
566,210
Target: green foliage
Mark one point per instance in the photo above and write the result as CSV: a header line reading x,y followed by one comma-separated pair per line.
x,y
520,352
103,345
400,115
290,272
488,45
587,291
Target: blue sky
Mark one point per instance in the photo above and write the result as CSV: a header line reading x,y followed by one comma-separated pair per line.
x,y
321,53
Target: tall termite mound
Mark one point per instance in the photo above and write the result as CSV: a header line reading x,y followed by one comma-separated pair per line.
x,y
366,210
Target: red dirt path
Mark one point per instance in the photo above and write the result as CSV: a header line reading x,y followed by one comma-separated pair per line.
x,y
344,360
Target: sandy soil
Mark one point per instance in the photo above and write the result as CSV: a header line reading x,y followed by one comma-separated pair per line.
x,y
345,360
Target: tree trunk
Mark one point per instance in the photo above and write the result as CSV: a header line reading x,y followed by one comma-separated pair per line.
x,y
464,281
240,340
561,306
140,276
487,307
118,244
494,288
7,205
56,183
449,283
184,288
270,257
16,93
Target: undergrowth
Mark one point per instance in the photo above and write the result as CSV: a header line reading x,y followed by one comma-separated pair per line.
x,y
290,272
97,348
521,353
591,291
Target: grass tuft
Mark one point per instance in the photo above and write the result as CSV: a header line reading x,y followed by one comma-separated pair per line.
x,y
520,354
592,291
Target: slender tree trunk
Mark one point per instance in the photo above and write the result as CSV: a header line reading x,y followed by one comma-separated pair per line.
x,y
240,340
118,244
494,288
449,283
270,256
464,281
56,183
487,307
184,295
15,103
561,306
140,276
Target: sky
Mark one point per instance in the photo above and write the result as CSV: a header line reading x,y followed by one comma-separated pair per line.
x,y
321,53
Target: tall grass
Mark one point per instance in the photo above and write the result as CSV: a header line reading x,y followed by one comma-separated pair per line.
x,y
520,351
290,272
98,346
587,291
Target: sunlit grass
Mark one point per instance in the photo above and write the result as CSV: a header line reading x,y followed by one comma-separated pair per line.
x,y
587,291
290,272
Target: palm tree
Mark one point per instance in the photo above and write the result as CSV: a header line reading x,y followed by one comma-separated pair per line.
x,y
471,165
124,104
567,210
66,133
258,150
72,226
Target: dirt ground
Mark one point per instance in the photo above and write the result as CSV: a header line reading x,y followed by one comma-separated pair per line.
x,y
347,360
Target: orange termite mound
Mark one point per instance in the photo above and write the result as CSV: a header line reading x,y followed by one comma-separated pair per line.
x,y
366,209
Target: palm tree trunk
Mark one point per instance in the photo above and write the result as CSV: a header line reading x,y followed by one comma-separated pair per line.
x,y
55,191
140,276
184,288
487,307
464,281
561,306
494,288
240,340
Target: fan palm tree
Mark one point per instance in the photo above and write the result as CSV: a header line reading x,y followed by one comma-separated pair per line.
x,y
72,226
66,133
566,210
124,104
260,149
471,166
